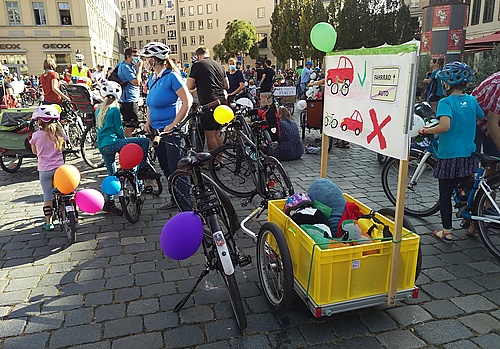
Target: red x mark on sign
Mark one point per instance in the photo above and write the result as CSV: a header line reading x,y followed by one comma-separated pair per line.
x,y
377,129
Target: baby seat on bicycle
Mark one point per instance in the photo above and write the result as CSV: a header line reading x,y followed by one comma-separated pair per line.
x,y
81,98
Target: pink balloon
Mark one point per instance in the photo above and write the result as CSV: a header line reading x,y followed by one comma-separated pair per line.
x,y
89,200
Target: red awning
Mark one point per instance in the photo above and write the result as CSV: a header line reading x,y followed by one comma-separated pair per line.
x,y
484,43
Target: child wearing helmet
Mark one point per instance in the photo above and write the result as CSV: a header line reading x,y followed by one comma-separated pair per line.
x,y
457,116
111,139
47,144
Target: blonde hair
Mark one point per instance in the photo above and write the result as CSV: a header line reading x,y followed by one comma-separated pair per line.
x,y
109,101
54,132
284,113
170,64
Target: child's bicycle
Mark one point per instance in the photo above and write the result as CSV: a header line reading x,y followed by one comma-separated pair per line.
x,y
65,211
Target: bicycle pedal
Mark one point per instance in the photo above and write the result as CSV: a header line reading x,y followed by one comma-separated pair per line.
x,y
244,202
244,260
148,189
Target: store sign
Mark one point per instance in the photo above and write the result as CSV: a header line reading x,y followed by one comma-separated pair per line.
x,y
10,46
56,46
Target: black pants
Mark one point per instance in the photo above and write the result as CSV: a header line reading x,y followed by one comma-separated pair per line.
x,y
446,187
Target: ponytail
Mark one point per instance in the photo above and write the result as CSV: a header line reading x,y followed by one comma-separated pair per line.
x,y
54,132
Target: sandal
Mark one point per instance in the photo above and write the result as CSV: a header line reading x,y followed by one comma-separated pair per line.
x,y
472,230
443,235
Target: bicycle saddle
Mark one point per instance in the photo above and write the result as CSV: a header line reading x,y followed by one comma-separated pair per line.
x,y
487,160
193,159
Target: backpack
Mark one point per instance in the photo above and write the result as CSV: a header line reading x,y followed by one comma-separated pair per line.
x,y
113,76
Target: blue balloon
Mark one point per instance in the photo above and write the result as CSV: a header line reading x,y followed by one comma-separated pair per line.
x,y
111,185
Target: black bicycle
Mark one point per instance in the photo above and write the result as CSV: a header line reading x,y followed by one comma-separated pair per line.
x,y
66,213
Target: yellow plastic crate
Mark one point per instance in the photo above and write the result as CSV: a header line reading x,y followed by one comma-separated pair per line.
x,y
345,273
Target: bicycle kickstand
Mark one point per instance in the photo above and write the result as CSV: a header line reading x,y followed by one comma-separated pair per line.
x,y
184,300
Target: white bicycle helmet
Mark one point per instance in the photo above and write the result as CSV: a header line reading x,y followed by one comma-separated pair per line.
x,y
79,57
5,70
111,88
244,102
46,113
156,49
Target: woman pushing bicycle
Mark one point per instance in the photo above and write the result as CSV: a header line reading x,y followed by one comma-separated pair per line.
x,y
457,116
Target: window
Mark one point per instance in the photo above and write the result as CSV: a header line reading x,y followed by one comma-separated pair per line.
x,y
132,31
162,14
202,39
139,30
64,13
137,3
155,29
125,31
489,8
184,41
262,40
171,19
164,41
200,9
200,25
193,40
216,7
160,2
414,3
162,28
185,56
122,5
191,10
183,26
210,23
191,25
39,13
209,8
217,23
182,11
129,2
146,29
132,44
153,15
173,49
141,43
146,16
172,35
170,4
138,17
145,3
476,10
153,2
148,41
131,18
261,12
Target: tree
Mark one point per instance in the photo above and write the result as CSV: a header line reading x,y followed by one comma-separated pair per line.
x,y
312,12
487,65
355,25
239,38
254,52
333,10
285,30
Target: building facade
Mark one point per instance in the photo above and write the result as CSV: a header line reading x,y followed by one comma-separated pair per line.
x,y
187,24
31,31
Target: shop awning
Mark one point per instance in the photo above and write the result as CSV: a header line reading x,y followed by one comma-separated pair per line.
x,y
484,43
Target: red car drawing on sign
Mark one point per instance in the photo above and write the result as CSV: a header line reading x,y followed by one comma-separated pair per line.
x,y
341,76
353,123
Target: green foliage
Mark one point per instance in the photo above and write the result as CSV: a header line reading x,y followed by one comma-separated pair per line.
x,y
239,38
355,26
423,68
333,10
487,65
285,30
220,53
254,52
312,12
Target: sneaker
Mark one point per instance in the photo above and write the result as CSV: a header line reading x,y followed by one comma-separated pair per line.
x,y
311,149
110,207
48,226
147,172
168,206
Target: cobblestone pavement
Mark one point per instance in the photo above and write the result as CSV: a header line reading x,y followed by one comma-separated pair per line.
x,y
115,289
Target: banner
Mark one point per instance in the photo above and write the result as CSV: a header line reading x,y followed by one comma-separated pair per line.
x,y
426,42
442,15
455,41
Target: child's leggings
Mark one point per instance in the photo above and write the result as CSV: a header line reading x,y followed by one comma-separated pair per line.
x,y
446,187
109,152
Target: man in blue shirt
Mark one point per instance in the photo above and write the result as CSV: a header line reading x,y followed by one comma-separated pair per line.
x,y
130,70
304,78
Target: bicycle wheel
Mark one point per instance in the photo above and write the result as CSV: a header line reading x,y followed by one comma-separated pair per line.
x,y
67,220
180,189
381,159
421,199
274,266
10,163
156,186
88,148
130,201
74,133
489,232
233,174
390,213
276,180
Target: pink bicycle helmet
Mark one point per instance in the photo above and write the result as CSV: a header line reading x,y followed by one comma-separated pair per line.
x,y
296,201
46,113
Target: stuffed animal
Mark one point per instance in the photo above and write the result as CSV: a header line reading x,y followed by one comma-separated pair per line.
x,y
328,193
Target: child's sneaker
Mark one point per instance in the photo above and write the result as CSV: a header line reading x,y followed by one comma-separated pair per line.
x,y
48,226
110,207
311,149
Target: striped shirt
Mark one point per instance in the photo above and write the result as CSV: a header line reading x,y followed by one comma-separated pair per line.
x,y
488,97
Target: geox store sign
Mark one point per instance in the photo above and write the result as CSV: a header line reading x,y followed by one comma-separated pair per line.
x,y
10,46
57,46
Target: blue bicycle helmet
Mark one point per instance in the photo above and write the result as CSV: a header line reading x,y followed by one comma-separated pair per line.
x,y
455,73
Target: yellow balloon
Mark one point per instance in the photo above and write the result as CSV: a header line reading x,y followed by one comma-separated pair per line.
x,y
58,107
223,114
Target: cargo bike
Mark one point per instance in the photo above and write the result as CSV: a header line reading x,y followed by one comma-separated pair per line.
x,y
331,279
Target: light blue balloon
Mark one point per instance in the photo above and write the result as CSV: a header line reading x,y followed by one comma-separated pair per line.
x,y
111,185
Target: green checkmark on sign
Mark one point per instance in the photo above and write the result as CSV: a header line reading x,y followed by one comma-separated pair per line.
x,y
362,80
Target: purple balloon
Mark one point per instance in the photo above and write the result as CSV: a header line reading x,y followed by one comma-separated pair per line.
x,y
181,236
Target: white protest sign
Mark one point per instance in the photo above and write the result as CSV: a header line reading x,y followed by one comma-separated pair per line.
x,y
284,91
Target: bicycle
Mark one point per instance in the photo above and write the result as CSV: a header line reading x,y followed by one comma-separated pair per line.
x,y
194,191
88,143
65,211
72,125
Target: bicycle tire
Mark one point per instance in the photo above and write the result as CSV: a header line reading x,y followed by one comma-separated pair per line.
x,y
489,232
88,148
390,213
275,267
276,180
417,194
235,299
67,221
183,201
234,176
28,100
10,166
382,158
303,116
74,132
156,185
130,201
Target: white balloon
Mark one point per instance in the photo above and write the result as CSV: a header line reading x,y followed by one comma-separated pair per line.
x,y
312,76
245,102
418,123
301,105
